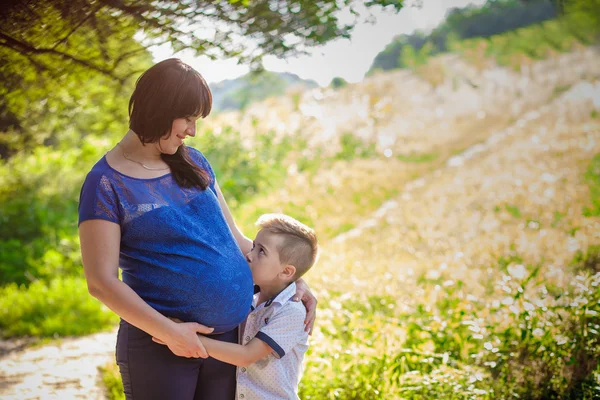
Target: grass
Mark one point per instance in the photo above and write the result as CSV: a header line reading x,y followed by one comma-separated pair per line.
x,y
560,89
592,176
111,379
417,158
513,210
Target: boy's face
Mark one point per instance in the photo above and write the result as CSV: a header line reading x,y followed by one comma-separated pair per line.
x,y
264,259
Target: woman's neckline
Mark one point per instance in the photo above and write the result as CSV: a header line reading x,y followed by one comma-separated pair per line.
x,y
133,177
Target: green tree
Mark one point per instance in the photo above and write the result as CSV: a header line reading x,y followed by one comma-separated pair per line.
x,y
77,32
492,18
52,46
586,12
338,82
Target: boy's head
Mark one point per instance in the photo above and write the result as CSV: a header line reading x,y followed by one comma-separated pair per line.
x,y
284,249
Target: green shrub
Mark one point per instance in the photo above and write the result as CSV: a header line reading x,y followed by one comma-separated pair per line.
x,y
354,147
338,82
245,170
60,307
39,193
112,381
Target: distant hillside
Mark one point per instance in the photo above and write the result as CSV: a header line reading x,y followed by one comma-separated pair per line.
x,y
235,94
493,18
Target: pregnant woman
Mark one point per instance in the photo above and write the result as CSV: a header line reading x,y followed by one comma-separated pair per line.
x,y
152,207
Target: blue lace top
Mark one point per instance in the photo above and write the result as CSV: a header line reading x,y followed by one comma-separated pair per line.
x,y
177,251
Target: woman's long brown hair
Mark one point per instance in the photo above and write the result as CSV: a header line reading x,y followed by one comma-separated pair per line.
x,y
169,90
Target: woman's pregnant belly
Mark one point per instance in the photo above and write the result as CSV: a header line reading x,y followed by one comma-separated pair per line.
x,y
217,295
186,264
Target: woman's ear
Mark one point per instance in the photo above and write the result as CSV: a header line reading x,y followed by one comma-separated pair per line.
x,y
288,272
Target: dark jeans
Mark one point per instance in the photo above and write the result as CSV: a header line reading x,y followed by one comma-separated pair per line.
x,y
151,371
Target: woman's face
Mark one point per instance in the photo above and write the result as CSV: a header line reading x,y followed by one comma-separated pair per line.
x,y
180,129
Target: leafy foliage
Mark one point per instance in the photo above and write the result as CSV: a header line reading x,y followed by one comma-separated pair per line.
x,y
182,24
60,307
54,46
494,17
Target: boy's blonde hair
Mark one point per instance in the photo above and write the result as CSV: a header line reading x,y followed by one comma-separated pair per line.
x,y
298,246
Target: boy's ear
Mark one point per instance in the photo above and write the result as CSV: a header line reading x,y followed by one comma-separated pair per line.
x,y
288,272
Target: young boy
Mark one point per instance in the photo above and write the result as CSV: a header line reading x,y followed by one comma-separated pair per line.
x,y
273,340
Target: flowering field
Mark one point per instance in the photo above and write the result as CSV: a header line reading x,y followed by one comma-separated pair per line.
x,y
460,260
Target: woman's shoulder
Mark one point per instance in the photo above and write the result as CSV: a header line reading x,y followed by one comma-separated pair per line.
x,y
100,180
100,170
196,155
98,199
199,158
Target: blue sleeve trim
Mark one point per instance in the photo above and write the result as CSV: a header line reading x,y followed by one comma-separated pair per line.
x,y
98,217
272,344
92,194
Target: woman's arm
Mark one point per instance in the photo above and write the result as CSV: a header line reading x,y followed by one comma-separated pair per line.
x,y
236,354
100,244
310,302
243,242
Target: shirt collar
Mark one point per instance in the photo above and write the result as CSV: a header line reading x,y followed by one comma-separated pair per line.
x,y
282,297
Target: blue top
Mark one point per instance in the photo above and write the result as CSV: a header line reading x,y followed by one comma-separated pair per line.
x,y
177,251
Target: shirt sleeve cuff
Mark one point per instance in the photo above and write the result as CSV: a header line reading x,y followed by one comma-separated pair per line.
x,y
272,344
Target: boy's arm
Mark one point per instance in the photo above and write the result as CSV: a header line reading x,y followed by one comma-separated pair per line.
x,y
236,354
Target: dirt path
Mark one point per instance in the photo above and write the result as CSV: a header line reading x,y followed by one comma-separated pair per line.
x,y
66,370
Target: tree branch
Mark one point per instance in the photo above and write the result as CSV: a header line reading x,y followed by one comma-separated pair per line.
x,y
26,48
83,21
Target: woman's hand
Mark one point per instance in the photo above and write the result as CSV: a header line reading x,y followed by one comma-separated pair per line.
x,y
184,341
310,302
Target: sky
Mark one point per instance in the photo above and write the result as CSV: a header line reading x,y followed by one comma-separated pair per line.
x,y
346,58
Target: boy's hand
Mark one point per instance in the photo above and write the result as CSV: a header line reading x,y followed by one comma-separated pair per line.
x,y
310,302
203,341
